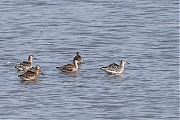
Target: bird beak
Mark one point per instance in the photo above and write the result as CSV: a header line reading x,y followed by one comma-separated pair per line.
x,y
42,73
127,63
35,58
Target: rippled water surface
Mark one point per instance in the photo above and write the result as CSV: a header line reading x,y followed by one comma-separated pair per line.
x,y
144,33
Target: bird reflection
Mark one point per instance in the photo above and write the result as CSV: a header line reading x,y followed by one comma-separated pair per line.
x,y
69,73
114,75
30,81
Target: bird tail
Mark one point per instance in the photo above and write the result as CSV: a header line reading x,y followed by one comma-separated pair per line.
x,y
17,66
59,68
103,68
20,76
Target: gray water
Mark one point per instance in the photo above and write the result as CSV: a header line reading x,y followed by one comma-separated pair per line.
x,y
144,33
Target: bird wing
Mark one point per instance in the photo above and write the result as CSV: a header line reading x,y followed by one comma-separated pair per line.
x,y
32,69
113,66
24,63
28,75
68,67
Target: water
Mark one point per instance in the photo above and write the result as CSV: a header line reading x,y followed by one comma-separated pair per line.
x,y
144,33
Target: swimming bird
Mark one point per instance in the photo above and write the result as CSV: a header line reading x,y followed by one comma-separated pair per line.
x,y
25,65
31,75
78,57
115,68
69,67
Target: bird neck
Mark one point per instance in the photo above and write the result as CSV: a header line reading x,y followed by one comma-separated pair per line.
x,y
37,72
30,59
122,64
76,64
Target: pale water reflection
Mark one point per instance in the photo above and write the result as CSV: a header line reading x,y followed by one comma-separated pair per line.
x,y
115,75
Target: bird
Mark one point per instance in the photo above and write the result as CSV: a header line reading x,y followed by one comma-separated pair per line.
x,y
31,75
69,67
25,65
115,68
78,57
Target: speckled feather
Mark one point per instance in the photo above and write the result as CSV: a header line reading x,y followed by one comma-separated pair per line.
x,y
115,68
69,67
31,75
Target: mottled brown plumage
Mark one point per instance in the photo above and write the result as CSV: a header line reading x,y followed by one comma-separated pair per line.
x,y
69,67
31,75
